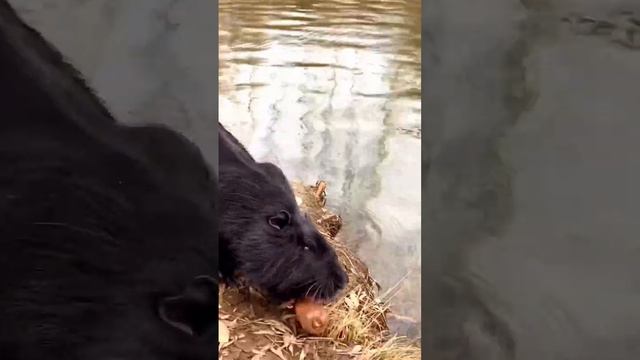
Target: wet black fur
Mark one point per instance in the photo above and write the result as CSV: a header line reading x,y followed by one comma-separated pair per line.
x,y
288,263
104,229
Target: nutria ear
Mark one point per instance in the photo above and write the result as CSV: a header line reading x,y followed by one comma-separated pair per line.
x,y
193,311
281,220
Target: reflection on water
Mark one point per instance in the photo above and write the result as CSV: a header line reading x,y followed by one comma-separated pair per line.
x,y
331,90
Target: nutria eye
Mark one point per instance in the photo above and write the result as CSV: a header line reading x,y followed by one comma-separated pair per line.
x,y
281,220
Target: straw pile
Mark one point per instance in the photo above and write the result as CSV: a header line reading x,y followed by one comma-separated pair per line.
x,y
251,329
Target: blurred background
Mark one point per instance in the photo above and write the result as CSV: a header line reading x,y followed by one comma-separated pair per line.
x,y
530,178
162,50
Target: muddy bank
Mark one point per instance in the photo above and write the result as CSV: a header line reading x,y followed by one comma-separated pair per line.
x,y
530,173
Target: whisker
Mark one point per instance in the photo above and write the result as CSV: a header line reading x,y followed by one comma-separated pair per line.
x,y
309,289
315,295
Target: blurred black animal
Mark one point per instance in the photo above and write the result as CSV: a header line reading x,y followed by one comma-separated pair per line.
x,y
107,233
264,237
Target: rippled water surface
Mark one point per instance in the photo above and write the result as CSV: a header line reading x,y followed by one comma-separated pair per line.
x,y
331,90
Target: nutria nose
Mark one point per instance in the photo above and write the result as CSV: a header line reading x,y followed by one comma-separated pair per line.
x,y
340,278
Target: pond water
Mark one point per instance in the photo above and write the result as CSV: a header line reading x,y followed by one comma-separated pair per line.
x,y
331,90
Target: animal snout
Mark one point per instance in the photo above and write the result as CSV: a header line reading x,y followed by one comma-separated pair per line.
x,y
336,280
340,278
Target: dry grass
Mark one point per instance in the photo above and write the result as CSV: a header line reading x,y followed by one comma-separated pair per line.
x,y
393,349
357,320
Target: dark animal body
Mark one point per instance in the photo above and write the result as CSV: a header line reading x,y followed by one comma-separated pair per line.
x,y
107,233
263,235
